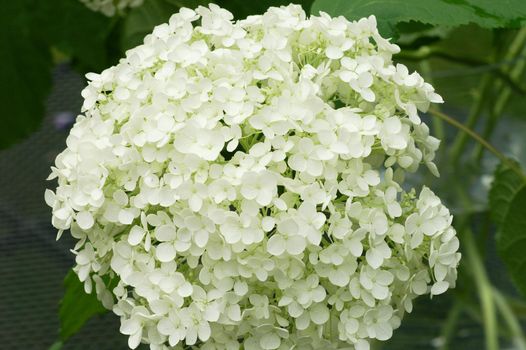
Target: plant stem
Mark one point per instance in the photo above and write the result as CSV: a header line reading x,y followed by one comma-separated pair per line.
x,y
514,73
425,52
56,345
510,318
450,326
460,140
484,289
479,139
485,230
518,306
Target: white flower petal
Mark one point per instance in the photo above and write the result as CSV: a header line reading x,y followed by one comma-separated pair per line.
x,y
165,233
295,245
270,341
136,235
439,287
85,220
276,245
319,314
165,252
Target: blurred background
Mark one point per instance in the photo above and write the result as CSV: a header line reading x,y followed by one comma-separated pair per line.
x,y
46,47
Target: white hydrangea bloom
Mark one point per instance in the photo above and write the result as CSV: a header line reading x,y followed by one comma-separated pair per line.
x,y
243,183
111,7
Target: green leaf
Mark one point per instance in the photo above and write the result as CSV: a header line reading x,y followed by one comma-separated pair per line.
x,y
76,31
507,199
76,307
485,13
25,72
511,240
505,186
28,28
511,13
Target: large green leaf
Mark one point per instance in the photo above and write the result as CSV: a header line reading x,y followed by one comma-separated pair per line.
x,y
27,30
511,240
511,13
507,182
76,307
25,78
507,201
485,13
76,31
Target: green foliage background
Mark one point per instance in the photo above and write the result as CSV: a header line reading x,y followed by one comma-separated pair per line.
x,y
473,51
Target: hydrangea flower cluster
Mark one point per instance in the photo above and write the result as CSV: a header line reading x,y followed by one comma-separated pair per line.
x,y
111,7
241,184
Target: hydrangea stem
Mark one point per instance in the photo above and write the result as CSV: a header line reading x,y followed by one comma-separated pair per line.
x,y
518,306
479,139
484,289
56,345
514,73
450,326
425,52
460,140
510,318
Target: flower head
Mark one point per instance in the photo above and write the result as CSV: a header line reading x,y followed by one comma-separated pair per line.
x,y
237,179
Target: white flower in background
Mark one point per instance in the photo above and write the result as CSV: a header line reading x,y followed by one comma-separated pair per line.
x,y
242,183
110,8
